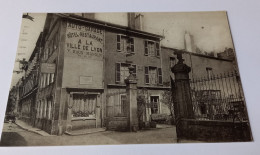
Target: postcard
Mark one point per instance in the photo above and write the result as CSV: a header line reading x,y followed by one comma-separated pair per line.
x,y
125,78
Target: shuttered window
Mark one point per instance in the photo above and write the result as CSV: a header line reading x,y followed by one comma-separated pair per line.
x,y
125,44
159,76
118,72
152,48
132,45
118,43
146,47
157,49
122,72
146,75
134,72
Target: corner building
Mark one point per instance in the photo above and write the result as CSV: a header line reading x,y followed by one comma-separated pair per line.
x,y
82,69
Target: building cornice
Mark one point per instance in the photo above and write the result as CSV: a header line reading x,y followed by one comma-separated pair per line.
x,y
111,26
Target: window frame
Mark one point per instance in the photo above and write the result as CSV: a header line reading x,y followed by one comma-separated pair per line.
x,y
156,45
130,41
120,105
158,104
118,72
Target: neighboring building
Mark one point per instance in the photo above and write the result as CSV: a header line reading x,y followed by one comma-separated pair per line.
x,y
75,76
28,86
228,53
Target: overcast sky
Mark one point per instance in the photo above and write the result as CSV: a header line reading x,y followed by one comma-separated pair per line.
x,y
209,29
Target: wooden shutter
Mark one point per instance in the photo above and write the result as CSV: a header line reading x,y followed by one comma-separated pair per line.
x,y
159,75
134,72
146,47
118,72
118,39
157,45
132,45
146,75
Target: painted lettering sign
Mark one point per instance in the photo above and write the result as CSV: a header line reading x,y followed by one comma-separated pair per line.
x,y
48,68
84,41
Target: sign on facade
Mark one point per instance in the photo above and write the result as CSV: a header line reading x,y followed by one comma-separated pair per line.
x,y
48,67
84,41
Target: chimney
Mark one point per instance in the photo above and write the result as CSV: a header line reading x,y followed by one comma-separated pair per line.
x,y
189,42
89,15
135,21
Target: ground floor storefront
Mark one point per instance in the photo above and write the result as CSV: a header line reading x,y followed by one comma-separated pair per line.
x,y
79,109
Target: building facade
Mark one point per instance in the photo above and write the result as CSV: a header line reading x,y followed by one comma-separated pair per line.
x,y
77,77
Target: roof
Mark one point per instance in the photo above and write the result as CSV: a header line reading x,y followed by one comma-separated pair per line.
x,y
111,26
195,54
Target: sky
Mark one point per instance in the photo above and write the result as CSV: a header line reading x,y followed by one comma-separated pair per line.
x,y
210,30
29,33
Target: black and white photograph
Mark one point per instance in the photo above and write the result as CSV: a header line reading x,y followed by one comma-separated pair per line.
x,y
125,78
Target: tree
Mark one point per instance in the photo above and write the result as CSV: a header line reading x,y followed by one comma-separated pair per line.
x,y
167,99
11,102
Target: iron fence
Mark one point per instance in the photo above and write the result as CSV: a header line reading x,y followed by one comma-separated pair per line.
x,y
218,97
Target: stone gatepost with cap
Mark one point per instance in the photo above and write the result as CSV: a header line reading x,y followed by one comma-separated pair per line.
x,y
183,106
131,92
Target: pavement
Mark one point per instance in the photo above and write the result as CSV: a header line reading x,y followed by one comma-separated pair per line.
x,y
27,127
20,134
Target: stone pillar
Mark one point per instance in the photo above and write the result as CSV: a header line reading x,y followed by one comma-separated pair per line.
x,y
131,92
183,108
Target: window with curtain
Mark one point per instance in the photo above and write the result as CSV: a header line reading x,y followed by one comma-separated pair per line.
x,y
84,105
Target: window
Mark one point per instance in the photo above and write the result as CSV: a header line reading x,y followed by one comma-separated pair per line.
x,y
122,72
152,48
153,75
47,79
209,72
121,107
172,62
44,108
84,105
55,44
51,77
49,109
154,104
125,44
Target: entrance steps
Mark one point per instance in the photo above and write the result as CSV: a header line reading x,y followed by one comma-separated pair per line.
x,y
85,131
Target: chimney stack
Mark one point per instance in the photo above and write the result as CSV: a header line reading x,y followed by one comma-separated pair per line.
x,y
135,21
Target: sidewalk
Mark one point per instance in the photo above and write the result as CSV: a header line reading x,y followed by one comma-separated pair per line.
x,y
27,127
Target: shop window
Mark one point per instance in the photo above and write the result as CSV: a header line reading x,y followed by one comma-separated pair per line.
x,y
84,106
153,75
151,48
125,44
121,106
154,104
122,72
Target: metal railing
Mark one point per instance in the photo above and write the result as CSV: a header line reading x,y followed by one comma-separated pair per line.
x,y
218,97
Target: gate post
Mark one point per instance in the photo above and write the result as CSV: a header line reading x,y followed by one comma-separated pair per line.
x,y
131,92
183,108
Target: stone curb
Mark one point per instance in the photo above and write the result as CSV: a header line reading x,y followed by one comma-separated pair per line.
x,y
33,131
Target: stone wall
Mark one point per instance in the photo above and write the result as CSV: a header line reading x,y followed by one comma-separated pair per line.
x,y
214,131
